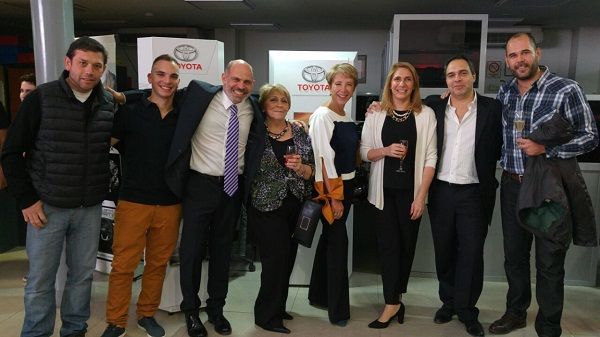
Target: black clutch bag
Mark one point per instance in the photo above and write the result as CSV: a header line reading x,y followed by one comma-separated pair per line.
x,y
307,222
360,189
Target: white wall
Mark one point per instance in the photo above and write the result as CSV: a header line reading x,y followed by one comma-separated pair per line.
x,y
255,45
587,70
556,50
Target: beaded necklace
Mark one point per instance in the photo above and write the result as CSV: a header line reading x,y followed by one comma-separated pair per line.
x,y
280,134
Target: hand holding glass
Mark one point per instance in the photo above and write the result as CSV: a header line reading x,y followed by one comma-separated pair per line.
x,y
404,144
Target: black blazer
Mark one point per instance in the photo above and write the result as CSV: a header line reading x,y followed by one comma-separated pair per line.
x,y
193,102
488,144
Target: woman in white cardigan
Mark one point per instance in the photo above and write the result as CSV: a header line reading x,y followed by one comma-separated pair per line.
x,y
398,195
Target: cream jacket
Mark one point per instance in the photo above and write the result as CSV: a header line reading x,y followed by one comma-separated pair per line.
x,y
425,156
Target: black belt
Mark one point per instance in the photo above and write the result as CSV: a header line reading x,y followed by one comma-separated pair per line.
x,y
218,179
443,182
513,176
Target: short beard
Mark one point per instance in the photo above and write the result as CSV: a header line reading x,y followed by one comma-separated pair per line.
x,y
533,70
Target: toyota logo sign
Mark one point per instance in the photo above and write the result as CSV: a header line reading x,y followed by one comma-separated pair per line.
x,y
313,74
185,52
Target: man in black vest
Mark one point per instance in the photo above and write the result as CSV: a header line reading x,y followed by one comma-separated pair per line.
x,y
64,129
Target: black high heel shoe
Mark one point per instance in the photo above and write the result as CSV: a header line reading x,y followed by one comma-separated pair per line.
x,y
401,312
377,324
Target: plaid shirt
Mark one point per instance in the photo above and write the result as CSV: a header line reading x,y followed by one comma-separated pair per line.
x,y
548,95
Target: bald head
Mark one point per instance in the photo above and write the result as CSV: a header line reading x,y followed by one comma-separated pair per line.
x,y
238,80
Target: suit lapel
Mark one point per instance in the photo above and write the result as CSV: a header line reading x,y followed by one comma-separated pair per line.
x,y
440,115
482,117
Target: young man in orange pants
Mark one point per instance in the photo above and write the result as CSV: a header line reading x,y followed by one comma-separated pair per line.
x,y
148,213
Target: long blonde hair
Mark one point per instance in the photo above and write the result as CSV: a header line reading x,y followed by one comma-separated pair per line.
x,y
387,102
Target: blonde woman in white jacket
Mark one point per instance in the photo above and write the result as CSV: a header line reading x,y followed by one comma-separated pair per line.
x,y
399,179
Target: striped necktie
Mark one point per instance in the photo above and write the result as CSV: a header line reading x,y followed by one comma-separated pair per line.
x,y
230,180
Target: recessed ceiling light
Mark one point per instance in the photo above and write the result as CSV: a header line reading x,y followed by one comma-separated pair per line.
x,y
220,4
266,26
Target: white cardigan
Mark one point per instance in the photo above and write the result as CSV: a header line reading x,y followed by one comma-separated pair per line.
x,y
425,153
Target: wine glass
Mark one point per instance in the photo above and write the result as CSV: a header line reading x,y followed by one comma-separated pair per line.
x,y
403,142
290,150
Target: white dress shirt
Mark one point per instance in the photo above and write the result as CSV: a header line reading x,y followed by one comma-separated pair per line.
x,y
208,142
457,160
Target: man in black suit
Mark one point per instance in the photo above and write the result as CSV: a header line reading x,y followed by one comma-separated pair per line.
x,y
197,170
461,198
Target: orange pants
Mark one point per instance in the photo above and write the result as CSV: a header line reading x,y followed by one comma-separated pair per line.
x,y
139,226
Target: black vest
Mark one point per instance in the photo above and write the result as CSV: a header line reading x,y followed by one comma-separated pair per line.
x,y
68,164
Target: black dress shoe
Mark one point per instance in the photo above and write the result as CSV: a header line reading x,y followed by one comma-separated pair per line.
x,y
287,316
221,324
279,329
195,328
507,323
443,315
474,328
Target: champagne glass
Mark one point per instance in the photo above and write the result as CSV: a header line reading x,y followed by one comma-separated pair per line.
x,y
519,124
403,142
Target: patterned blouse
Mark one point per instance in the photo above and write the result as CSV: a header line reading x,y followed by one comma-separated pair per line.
x,y
273,182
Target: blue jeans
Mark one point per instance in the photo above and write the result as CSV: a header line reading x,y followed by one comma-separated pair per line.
x,y
80,229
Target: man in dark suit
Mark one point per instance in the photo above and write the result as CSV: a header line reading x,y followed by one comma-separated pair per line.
x,y
461,198
213,121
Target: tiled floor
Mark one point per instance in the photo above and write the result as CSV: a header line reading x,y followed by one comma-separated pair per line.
x,y
581,316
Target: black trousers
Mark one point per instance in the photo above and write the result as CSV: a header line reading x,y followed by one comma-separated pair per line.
x,y
209,219
549,262
459,229
329,285
396,241
273,232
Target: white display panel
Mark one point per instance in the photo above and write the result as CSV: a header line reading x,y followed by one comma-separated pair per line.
x,y
198,59
303,74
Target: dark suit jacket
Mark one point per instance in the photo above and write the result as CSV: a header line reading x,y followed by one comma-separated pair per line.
x,y
193,102
488,144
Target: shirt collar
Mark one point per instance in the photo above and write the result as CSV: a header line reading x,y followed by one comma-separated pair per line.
x,y
542,80
473,102
227,103
146,102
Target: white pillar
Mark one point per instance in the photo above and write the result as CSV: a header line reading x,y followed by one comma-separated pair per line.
x,y
52,22
53,32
